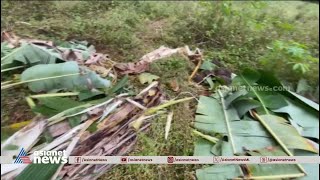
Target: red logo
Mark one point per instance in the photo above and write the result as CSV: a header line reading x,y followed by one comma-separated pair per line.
x,y
263,159
216,159
123,160
170,159
25,159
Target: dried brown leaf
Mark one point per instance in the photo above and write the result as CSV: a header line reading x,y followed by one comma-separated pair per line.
x,y
174,85
96,58
143,64
100,70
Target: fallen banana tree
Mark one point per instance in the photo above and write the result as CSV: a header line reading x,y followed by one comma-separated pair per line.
x,y
247,119
50,67
22,53
77,109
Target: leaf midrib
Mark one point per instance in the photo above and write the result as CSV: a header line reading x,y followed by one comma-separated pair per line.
x,y
257,95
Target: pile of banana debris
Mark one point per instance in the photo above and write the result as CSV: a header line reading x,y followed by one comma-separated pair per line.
x,y
81,104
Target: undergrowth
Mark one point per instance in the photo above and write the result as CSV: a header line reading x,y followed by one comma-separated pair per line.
x,y
237,33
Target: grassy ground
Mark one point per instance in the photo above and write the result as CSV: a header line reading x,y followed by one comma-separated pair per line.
x,y
238,34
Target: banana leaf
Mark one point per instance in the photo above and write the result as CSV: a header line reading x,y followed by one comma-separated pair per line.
x,y
303,116
270,81
29,55
301,110
239,136
5,49
312,170
87,94
42,172
245,105
79,79
306,101
49,106
245,133
264,94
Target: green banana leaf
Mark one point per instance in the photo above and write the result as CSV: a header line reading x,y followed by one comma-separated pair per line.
x,y
29,55
80,45
245,105
247,133
207,65
264,94
305,117
270,81
38,171
312,170
202,147
218,172
306,101
239,136
72,77
49,106
235,96
5,49
297,106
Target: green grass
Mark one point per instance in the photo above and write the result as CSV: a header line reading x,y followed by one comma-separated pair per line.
x,y
237,34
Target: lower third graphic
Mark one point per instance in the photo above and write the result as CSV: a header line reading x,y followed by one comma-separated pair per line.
x,y
22,158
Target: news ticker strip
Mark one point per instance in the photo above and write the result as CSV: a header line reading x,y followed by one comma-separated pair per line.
x,y
191,160
185,160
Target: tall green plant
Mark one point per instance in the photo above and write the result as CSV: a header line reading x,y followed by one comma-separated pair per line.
x,y
296,56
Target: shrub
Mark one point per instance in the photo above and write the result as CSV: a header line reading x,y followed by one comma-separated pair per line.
x,y
290,60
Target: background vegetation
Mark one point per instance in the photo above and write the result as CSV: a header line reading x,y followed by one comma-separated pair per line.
x,y
278,36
